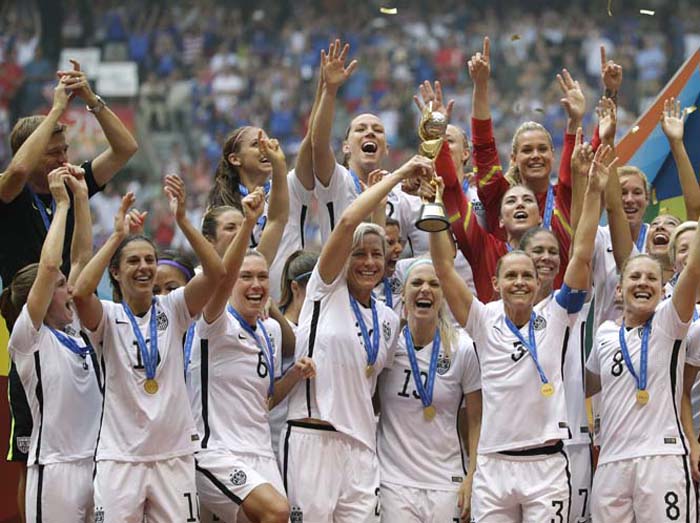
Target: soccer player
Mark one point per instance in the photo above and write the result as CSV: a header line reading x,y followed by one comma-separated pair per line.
x,y
145,464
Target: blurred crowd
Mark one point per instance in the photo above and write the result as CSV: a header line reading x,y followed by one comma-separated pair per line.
x,y
207,67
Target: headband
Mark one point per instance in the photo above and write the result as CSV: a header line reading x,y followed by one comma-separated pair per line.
x,y
414,264
187,272
302,276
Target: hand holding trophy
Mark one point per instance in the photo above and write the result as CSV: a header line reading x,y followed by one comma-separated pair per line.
x,y
431,129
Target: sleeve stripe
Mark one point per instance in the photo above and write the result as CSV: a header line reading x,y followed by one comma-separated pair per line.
x,y
563,221
485,180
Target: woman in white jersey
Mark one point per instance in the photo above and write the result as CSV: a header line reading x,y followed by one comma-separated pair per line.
x,y
239,361
643,472
57,367
543,247
434,372
329,458
522,473
147,436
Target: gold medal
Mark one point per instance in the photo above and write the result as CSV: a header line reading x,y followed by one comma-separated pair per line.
x,y
429,413
369,370
547,390
151,386
643,397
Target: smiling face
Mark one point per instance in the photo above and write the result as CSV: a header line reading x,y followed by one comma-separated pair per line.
x,y
394,248
366,142
366,266
543,248
533,155
252,288
641,286
59,314
136,270
634,196
517,280
659,235
247,157
519,210
683,242
168,278
422,293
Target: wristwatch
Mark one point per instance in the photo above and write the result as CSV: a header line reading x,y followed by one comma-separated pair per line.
x,y
98,107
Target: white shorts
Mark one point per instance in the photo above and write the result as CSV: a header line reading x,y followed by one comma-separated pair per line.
x,y
527,487
164,491
60,492
330,477
225,479
401,504
580,463
644,490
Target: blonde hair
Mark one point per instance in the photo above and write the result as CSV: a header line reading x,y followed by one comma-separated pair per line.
x,y
631,170
448,333
637,257
513,173
683,227
363,230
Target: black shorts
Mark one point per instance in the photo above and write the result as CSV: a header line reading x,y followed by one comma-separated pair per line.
x,y
20,418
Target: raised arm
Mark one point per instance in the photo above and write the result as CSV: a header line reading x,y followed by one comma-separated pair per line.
x,y
338,248
480,71
278,208
47,277
686,288
81,243
457,293
672,123
578,272
86,302
304,169
580,164
334,75
199,289
122,144
253,205
31,153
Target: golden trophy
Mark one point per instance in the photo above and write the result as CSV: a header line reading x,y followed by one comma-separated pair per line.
x,y
431,129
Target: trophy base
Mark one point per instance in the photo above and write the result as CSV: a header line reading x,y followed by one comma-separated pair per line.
x,y
432,218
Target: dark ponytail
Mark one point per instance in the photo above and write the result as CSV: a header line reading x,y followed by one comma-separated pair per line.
x,y
15,295
227,178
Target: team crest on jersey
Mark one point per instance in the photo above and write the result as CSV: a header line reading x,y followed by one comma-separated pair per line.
x,y
238,477
99,515
395,285
540,323
23,443
443,364
161,321
68,329
296,515
386,330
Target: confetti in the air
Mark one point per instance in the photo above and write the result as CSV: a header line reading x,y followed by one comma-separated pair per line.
x,y
388,10
690,109
514,38
609,7
635,129
538,110
647,12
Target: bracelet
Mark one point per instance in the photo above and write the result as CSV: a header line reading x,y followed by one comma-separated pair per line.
x,y
611,94
95,109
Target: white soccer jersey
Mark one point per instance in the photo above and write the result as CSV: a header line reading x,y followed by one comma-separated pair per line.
x,y
478,208
341,393
627,429
232,371
391,287
413,451
574,368
693,358
606,277
293,237
136,425
515,413
63,391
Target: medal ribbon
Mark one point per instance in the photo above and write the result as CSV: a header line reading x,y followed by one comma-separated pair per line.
x,y
262,221
372,349
71,344
531,346
388,296
356,181
266,350
189,338
149,357
42,209
548,208
425,392
641,379
641,239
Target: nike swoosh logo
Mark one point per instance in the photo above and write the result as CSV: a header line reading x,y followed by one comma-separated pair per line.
x,y
241,337
122,322
610,249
